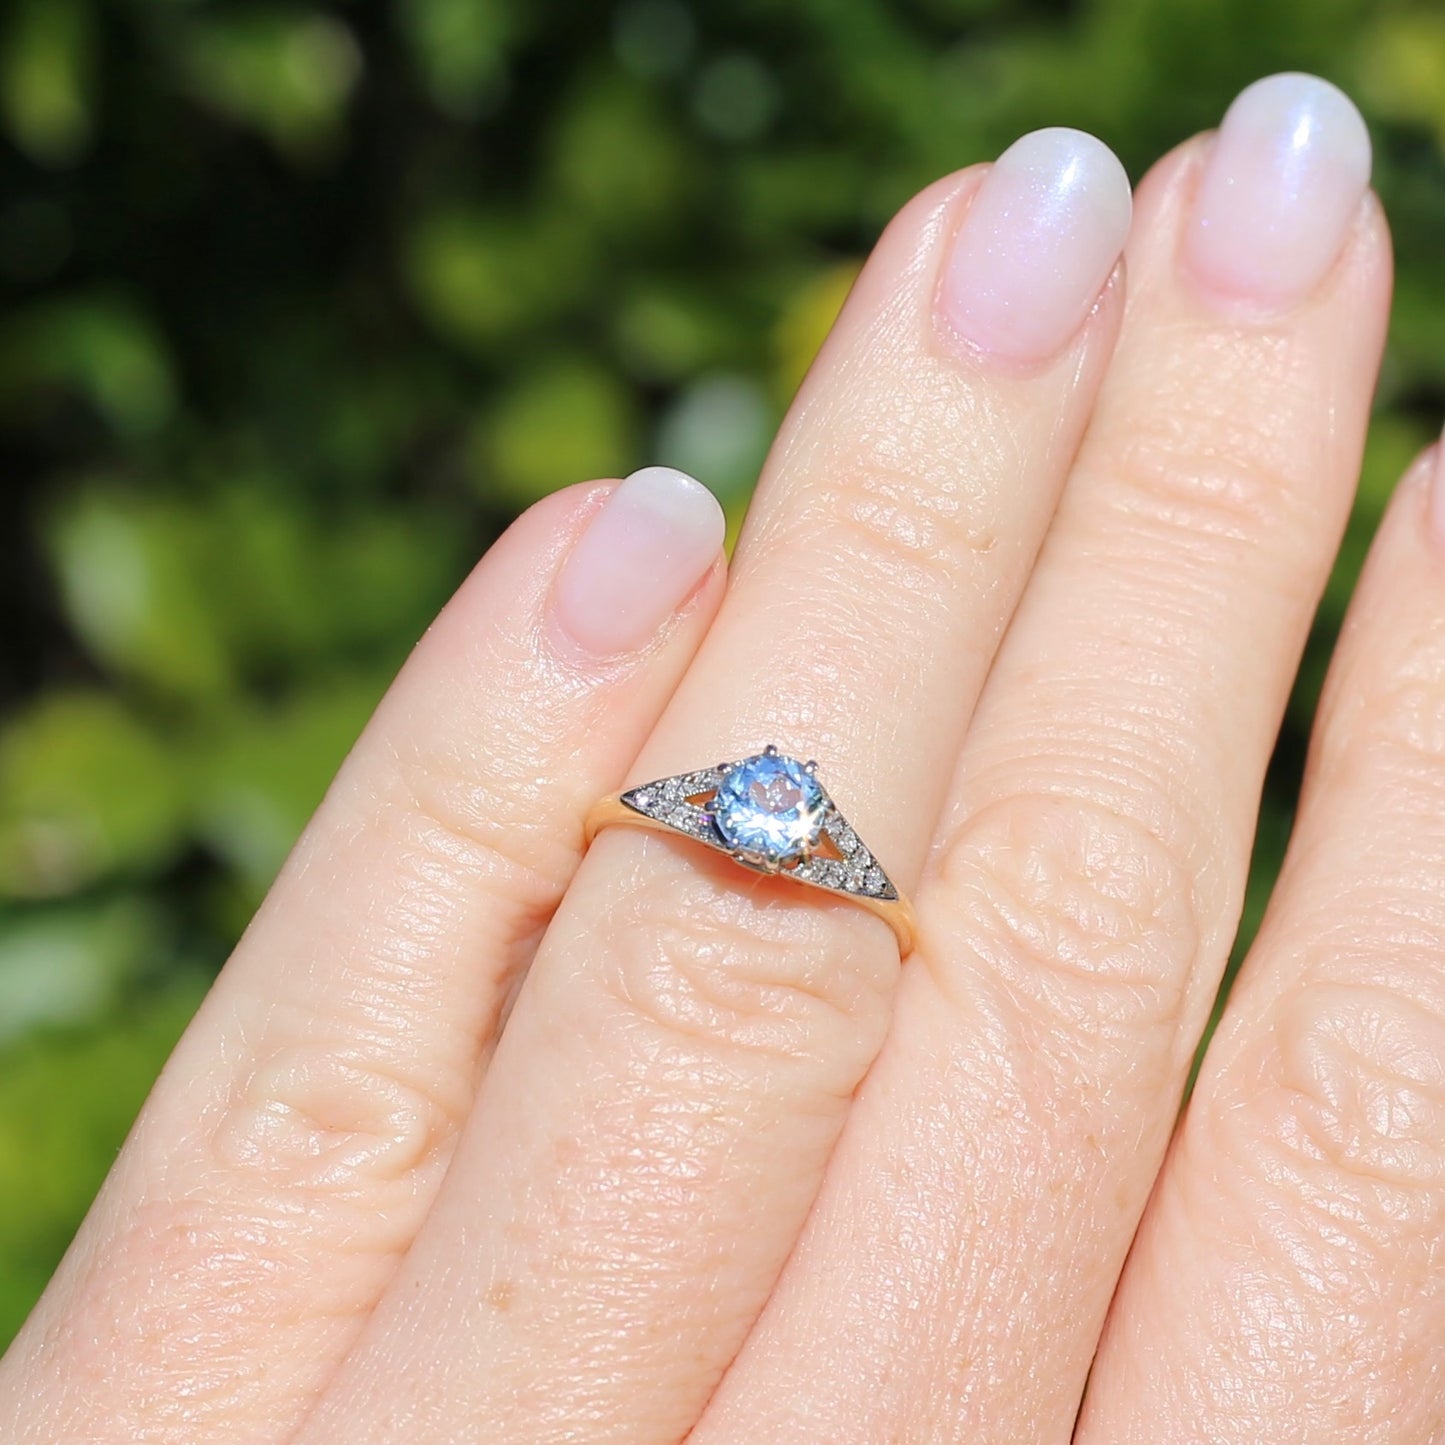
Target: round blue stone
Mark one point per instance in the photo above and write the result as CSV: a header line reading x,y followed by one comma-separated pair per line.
x,y
770,807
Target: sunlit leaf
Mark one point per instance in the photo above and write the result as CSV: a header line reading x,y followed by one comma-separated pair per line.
x,y
86,790
480,277
668,331
286,73
64,965
719,429
135,584
387,575
617,161
562,422
98,345
460,47
46,55
806,322
263,777
1402,67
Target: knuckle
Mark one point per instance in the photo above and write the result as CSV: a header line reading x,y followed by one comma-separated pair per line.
x,y
327,1122
1409,716
883,516
1083,914
1382,726
701,957
318,1157
1360,1099
1222,476
895,488
458,817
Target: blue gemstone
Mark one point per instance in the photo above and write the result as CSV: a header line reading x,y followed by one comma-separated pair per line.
x,y
770,807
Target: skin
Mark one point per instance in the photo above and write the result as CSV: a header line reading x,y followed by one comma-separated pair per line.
x,y
718,1169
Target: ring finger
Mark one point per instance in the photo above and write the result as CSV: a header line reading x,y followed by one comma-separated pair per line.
x,y
667,1092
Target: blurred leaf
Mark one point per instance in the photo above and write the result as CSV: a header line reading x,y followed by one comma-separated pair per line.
x,y
135,586
256,559
805,324
46,53
64,965
386,576
481,277
194,600
85,791
1402,67
1419,319
564,421
653,37
460,47
719,429
616,160
264,776
100,346
286,73
780,193
736,97
667,331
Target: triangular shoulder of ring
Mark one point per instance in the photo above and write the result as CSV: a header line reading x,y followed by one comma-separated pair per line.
x,y
679,802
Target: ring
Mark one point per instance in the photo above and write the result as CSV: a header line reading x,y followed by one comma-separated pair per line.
x,y
768,813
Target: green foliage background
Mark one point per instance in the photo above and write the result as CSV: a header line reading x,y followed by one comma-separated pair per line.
x,y
302,302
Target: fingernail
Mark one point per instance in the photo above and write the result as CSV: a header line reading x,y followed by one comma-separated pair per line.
x,y
639,559
1283,181
1044,232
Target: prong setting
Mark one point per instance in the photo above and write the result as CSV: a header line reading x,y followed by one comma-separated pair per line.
x,y
783,822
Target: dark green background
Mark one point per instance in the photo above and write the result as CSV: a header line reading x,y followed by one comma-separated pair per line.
x,y
302,302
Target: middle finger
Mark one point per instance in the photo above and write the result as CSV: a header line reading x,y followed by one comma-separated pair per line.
x,y
955,1272
657,1117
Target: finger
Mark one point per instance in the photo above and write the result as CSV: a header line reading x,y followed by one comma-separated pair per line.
x,y
1286,1283
672,1080
1087,876
298,1133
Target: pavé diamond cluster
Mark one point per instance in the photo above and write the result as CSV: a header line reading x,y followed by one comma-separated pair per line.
x,y
770,812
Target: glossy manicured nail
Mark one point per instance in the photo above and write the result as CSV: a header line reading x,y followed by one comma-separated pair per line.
x,y
1280,188
1041,238
641,556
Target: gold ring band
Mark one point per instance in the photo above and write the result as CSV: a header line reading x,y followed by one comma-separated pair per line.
x,y
768,813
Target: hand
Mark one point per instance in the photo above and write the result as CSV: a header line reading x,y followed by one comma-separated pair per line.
x,y
1029,571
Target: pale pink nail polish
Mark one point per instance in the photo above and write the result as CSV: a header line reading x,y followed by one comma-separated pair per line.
x,y
644,552
1040,239
1280,189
